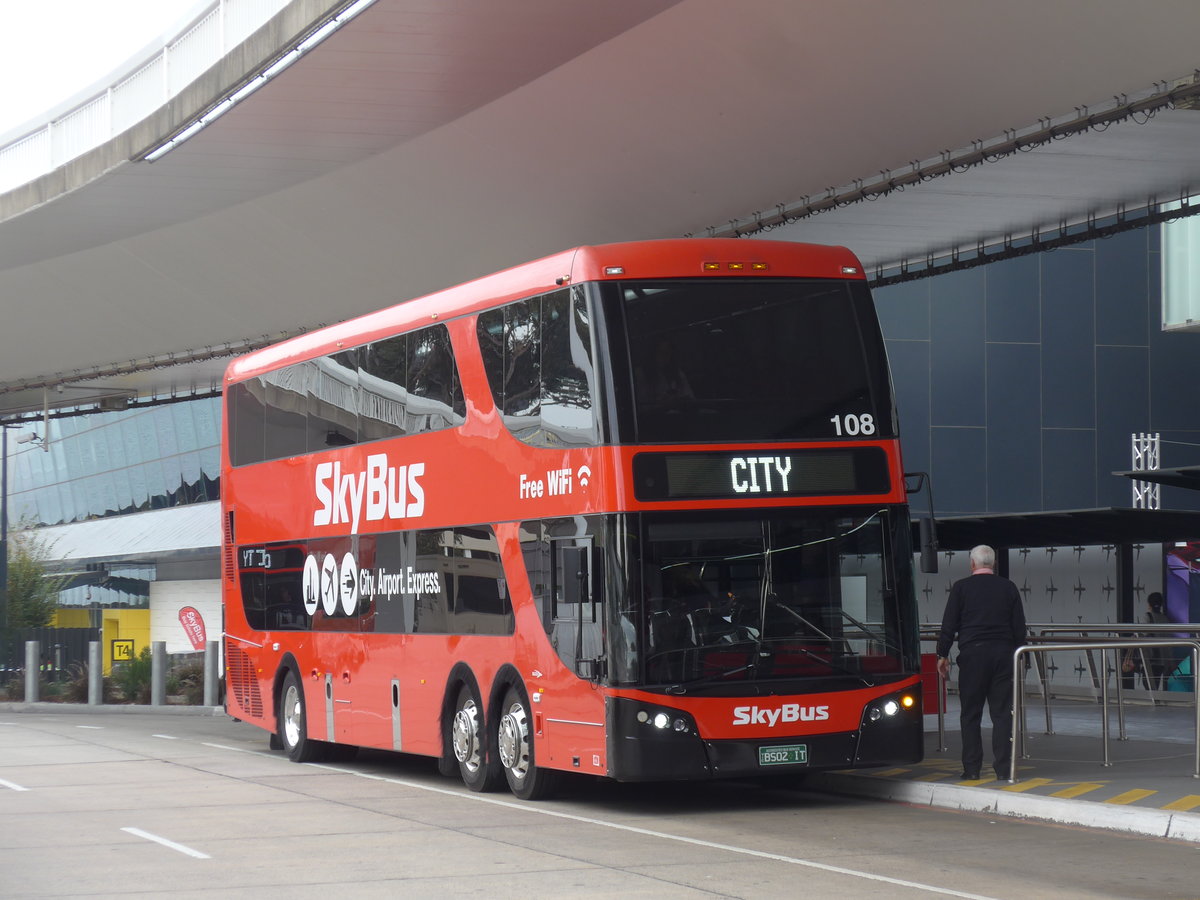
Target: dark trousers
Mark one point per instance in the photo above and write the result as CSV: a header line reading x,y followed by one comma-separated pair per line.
x,y
985,674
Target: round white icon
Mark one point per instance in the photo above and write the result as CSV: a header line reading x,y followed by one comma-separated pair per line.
x,y
348,584
312,584
329,587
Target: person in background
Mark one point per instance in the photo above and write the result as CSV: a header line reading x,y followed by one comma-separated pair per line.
x,y
1157,658
984,614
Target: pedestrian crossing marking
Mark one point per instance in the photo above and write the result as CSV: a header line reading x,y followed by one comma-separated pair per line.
x,y
1183,804
1084,787
1130,797
1027,785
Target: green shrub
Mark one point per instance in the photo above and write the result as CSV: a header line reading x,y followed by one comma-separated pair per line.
x,y
132,678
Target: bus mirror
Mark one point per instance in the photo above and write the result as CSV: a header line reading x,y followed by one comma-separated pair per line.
x,y
591,669
929,548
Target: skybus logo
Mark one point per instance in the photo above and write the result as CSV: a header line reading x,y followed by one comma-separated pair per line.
x,y
788,712
381,491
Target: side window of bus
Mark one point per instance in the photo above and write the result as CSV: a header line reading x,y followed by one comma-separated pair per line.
x,y
271,582
332,401
287,411
435,398
537,355
462,588
400,385
246,415
567,373
383,395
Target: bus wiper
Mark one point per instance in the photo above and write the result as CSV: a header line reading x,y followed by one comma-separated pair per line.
x,y
684,687
844,669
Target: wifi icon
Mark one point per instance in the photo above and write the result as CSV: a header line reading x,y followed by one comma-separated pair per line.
x,y
585,475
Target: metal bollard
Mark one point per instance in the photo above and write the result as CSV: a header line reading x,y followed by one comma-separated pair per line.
x,y
33,651
95,674
212,669
158,673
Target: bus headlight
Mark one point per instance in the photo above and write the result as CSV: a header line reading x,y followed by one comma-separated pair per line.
x,y
889,707
666,720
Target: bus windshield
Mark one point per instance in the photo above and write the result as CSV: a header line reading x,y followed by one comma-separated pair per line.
x,y
790,595
731,359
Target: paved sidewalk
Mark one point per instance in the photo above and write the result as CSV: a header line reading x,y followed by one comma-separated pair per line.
x,y
1148,787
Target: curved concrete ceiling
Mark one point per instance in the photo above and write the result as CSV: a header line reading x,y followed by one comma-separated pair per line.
x,y
428,143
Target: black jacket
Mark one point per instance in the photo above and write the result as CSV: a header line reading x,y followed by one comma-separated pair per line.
x,y
982,607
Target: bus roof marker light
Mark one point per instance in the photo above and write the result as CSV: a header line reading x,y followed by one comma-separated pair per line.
x,y
614,270
712,267
759,266
849,270
736,267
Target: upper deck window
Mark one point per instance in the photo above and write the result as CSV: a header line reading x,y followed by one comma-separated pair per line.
x,y
538,357
400,385
749,360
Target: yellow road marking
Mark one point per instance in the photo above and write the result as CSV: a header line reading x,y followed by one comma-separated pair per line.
x,y
1084,787
1191,801
1130,797
1027,785
887,772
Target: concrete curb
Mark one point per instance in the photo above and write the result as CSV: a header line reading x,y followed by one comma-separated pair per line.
x,y
115,708
1178,826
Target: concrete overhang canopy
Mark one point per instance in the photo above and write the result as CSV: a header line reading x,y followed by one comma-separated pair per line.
x,y
425,144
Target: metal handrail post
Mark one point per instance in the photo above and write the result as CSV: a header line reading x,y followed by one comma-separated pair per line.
x,y
1196,703
1120,679
1104,708
941,704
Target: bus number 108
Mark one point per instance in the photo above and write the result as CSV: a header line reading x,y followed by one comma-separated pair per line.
x,y
851,424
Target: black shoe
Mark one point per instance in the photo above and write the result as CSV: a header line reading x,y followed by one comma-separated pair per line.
x,y
968,776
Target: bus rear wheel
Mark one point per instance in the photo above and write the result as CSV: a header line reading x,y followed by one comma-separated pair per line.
x,y
514,741
468,740
291,718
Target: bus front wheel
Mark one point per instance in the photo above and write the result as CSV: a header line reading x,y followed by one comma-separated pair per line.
x,y
292,730
468,740
514,740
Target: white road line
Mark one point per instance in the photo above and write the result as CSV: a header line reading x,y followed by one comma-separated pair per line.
x,y
633,829
162,840
11,786
165,737
91,727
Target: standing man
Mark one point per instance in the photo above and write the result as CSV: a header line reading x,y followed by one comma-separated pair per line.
x,y
984,614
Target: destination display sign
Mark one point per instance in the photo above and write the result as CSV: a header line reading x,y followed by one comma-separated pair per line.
x,y
746,475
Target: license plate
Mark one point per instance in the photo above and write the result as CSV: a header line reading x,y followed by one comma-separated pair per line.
x,y
790,754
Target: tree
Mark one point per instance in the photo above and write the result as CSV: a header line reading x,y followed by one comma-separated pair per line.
x,y
32,594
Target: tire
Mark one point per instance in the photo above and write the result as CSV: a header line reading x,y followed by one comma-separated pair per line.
x,y
514,743
291,723
468,743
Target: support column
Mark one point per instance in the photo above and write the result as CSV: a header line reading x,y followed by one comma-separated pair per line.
x,y
158,673
95,674
33,669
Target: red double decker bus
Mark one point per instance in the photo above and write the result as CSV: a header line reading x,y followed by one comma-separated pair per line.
x,y
633,510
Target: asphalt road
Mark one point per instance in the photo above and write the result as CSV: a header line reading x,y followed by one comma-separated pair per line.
x,y
103,805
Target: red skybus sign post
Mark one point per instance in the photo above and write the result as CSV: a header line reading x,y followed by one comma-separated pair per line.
x,y
193,624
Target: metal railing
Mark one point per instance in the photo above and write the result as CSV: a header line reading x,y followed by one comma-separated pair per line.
x,y
140,88
1018,718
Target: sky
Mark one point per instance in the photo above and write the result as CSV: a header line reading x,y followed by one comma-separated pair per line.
x,y
52,49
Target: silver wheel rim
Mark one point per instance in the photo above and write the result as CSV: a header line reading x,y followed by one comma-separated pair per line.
x,y
464,735
514,741
293,716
